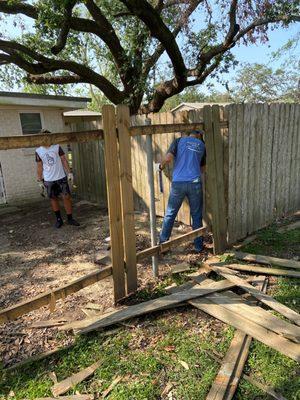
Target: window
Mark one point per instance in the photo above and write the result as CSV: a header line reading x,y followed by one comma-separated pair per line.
x,y
31,123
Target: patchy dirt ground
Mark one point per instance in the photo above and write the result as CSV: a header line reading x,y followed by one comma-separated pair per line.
x,y
35,257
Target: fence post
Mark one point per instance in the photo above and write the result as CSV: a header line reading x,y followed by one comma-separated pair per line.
x,y
215,177
114,200
123,124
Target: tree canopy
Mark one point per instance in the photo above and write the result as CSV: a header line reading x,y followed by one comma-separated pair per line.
x,y
136,52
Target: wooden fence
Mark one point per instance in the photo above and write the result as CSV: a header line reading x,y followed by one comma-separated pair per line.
x,y
264,165
256,160
89,166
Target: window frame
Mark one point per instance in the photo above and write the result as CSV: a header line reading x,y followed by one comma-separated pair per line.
x,y
29,111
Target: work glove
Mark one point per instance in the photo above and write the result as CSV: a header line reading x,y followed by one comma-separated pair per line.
x,y
157,167
42,187
71,179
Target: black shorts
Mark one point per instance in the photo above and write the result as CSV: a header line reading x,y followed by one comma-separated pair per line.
x,y
56,188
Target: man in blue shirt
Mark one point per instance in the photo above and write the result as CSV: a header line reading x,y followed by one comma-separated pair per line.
x,y
189,156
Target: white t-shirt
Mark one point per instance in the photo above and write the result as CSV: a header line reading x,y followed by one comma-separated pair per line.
x,y
53,169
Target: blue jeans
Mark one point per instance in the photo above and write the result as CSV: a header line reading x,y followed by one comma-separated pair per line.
x,y
193,191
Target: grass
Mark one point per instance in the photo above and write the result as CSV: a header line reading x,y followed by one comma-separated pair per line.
x,y
148,356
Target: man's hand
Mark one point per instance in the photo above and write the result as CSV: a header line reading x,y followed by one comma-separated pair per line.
x,y
71,179
41,183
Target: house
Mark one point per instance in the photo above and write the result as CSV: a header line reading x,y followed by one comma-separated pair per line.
x,y
21,114
193,106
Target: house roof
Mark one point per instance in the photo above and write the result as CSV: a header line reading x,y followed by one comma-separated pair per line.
x,y
82,113
195,105
41,100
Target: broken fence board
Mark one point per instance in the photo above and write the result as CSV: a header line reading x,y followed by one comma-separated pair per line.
x,y
281,262
235,303
265,270
67,384
225,375
264,298
43,299
146,307
249,378
71,397
258,332
289,227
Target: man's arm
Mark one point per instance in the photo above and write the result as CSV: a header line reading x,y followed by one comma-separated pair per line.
x,y
167,160
171,154
65,163
39,168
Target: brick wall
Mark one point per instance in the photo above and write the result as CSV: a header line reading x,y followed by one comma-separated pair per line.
x,y
18,166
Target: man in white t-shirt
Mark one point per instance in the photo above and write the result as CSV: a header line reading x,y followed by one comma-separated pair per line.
x,y
53,172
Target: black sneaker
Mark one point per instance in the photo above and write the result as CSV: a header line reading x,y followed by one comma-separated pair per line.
x,y
59,223
73,222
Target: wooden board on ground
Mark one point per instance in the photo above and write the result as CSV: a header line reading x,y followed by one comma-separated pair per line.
x,y
264,298
235,303
48,324
228,377
281,262
71,397
225,376
183,267
146,307
258,332
67,384
264,270
61,292
249,378
289,227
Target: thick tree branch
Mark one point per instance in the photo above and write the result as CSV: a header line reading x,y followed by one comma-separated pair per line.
x,y
44,65
65,29
104,31
152,60
151,18
54,79
18,8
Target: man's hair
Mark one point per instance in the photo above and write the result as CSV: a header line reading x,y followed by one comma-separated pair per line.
x,y
196,132
44,131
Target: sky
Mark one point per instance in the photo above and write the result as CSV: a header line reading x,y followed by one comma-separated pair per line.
x,y
254,53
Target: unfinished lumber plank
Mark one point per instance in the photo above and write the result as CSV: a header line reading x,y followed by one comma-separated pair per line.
x,y
235,303
147,307
111,386
289,227
258,332
163,128
281,262
246,241
141,255
71,397
129,238
232,135
264,298
48,324
36,140
112,172
225,375
265,270
249,378
12,312
37,357
67,384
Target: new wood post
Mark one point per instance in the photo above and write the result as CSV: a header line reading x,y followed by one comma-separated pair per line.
x,y
114,200
215,177
123,124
